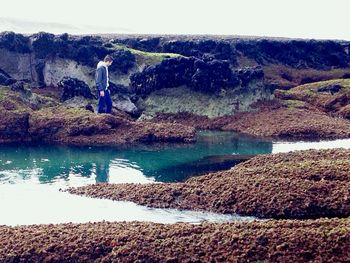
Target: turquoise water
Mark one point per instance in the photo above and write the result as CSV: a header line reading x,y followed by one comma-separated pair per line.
x,y
31,176
69,166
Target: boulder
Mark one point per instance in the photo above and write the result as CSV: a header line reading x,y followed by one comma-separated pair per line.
x,y
74,87
124,103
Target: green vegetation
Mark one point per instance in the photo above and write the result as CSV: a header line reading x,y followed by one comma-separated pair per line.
x,y
312,87
310,93
3,92
293,104
61,111
289,77
143,57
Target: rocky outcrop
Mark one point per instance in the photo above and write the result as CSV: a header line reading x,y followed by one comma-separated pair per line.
x,y
15,42
223,73
205,49
73,87
34,118
82,127
199,75
33,52
295,53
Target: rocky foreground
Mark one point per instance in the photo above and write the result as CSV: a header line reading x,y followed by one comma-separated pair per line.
x,y
302,184
322,240
33,118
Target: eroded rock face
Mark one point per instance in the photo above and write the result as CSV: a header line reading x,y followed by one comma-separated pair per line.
x,y
182,99
207,65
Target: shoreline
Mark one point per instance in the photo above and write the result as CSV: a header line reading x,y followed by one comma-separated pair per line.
x,y
311,183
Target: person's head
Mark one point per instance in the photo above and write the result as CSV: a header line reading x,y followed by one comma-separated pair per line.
x,y
108,60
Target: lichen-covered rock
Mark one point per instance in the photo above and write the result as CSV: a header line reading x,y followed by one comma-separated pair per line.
x,y
123,60
87,50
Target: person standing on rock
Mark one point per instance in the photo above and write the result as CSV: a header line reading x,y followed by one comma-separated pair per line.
x,y
102,83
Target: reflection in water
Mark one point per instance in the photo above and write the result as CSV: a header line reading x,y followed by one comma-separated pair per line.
x,y
102,171
31,176
139,164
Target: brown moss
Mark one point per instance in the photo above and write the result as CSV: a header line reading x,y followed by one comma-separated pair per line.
x,y
82,127
289,123
304,184
334,103
324,240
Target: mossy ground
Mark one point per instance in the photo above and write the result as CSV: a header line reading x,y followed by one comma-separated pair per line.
x,y
310,184
335,103
312,88
287,77
143,57
323,240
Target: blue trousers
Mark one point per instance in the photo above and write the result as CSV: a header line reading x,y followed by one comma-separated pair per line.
x,y
104,103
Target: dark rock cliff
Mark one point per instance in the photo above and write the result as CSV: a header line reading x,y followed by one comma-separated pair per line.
x,y
209,65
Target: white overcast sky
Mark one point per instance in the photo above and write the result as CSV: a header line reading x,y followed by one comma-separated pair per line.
x,y
283,18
